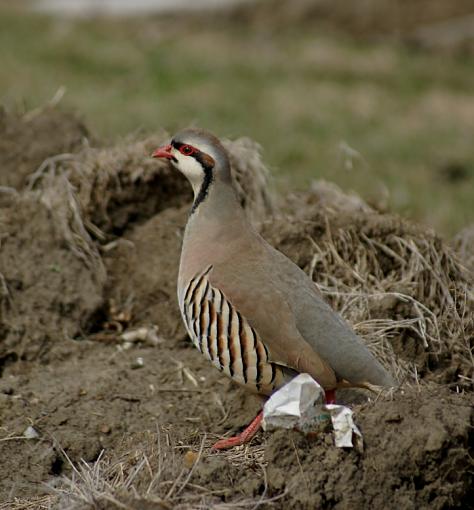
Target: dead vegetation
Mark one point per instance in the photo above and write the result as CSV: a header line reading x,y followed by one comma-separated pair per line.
x,y
156,474
116,187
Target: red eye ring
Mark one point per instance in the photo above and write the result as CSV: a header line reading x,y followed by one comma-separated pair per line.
x,y
187,150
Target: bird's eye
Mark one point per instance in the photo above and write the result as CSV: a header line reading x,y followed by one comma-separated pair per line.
x,y
187,150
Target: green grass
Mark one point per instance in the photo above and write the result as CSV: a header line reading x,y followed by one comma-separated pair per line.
x,y
300,94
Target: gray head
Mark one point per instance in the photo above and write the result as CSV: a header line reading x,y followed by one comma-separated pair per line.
x,y
199,155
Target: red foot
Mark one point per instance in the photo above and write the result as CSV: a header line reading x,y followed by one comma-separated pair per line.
x,y
243,437
330,396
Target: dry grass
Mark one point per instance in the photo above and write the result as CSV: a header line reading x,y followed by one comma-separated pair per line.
x,y
95,181
101,177
404,291
38,503
59,197
155,471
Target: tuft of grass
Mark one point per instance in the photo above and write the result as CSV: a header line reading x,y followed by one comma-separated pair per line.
x,y
156,474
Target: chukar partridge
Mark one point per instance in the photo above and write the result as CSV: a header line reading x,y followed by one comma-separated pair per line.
x,y
252,312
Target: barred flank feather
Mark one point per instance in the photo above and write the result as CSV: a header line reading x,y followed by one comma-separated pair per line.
x,y
225,338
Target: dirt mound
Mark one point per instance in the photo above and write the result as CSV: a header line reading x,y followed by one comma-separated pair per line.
x,y
416,450
117,187
26,141
143,271
51,284
94,357
51,274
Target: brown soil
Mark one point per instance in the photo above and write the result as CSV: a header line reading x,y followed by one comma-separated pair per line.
x,y
89,250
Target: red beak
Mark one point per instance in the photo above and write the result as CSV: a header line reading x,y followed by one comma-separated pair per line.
x,y
163,152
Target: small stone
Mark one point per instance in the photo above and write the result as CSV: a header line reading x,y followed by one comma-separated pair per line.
x,y
138,363
31,433
393,417
190,459
328,440
105,429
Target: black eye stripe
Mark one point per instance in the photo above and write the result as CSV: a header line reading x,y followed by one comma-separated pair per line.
x,y
179,146
176,145
203,158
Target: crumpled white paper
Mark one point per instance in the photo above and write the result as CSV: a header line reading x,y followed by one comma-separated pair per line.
x,y
343,425
300,404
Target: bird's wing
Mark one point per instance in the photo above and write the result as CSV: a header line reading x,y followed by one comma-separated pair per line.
x,y
265,308
334,339
325,330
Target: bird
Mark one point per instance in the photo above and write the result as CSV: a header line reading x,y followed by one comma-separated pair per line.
x,y
251,311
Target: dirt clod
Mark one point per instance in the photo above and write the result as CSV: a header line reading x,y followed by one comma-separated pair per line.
x,y
415,448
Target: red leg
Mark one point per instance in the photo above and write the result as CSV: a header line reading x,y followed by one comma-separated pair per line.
x,y
243,437
330,396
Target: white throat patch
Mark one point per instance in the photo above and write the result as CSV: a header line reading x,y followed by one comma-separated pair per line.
x,y
190,168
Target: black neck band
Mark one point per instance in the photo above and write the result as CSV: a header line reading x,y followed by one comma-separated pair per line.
x,y
204,190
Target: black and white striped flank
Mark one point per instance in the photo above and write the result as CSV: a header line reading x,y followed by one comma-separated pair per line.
x,y
225,338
